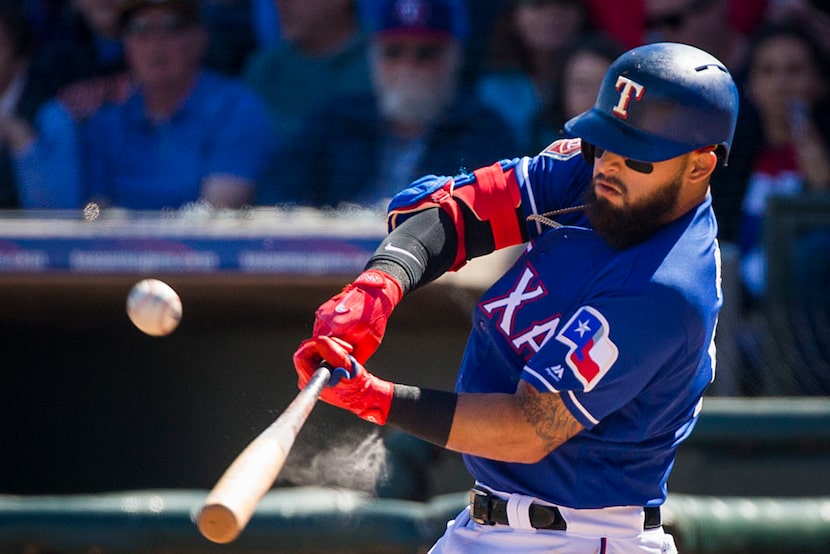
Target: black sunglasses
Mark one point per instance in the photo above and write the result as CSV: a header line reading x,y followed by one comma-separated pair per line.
x,y
591,151
420,52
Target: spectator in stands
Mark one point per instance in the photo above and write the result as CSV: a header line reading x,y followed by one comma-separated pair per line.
x,y
622,20
723,28
584,64
781,148
363,148
84,59
525,62
696,22
483,18
705,24
786,111
811,15
184,133
21,95
322,51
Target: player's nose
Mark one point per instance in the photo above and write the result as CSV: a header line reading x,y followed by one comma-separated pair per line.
x,y
608,162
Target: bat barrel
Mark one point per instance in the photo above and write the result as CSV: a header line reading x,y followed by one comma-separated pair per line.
x,y
230,505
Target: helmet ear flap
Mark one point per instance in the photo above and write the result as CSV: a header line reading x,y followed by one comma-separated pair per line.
x,y
723,154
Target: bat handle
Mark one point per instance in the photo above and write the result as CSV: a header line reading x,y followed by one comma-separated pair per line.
x,y
230,505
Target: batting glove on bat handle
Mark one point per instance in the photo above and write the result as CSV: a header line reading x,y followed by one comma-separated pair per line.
x,y
350,387
359,313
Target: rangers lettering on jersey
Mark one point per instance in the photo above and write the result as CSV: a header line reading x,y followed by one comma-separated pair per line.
x,y
514,299
628,90
536,336
591,352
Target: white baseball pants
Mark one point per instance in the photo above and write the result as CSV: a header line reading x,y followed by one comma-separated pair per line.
x,y
606,531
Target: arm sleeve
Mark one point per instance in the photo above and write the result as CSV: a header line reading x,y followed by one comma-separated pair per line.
x,y
424,247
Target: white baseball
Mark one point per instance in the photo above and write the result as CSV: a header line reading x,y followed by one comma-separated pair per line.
x,y
154,307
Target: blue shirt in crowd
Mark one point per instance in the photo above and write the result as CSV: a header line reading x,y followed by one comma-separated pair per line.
x,y
130,161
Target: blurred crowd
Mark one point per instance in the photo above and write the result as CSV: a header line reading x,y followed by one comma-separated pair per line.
x,y
159,104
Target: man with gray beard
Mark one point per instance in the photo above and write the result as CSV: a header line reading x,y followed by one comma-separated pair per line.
x,y
363,148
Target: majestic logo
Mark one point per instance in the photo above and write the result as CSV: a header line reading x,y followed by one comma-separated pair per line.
x,y
628,89
591,352
563,149
555,372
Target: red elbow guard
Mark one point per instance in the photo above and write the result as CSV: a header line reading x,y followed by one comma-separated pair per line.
x,y
494,199
492,196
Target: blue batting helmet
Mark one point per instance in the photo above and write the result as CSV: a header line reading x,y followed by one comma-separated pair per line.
x,y
659,101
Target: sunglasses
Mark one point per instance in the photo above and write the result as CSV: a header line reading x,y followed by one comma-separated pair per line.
x,y
420,52
591,151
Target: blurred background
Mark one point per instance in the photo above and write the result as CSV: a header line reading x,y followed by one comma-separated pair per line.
x,y
244,151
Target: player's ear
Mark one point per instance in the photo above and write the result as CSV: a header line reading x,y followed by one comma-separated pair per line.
x,y
703,163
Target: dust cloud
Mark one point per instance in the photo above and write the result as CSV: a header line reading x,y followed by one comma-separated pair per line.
x,y
356,461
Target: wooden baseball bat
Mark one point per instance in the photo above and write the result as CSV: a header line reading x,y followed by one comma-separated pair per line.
x,y
233,500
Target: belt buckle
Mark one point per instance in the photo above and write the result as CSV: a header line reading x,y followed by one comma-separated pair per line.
x,y
480,507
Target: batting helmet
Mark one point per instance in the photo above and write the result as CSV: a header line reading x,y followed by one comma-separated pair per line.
x,y
659,101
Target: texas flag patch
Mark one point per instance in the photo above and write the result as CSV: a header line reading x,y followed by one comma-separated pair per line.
x,y
591,352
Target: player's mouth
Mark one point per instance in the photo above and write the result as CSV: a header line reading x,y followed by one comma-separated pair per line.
x,y
605,188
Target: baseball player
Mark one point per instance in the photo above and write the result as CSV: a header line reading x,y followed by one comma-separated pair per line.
x,y
588,358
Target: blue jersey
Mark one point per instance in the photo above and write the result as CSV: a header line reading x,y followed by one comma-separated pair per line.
x,y
625,336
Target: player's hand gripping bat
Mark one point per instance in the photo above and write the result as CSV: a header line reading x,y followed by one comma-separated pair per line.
x,y
233,500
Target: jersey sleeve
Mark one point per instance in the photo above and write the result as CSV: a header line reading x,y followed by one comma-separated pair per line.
x,y
604,354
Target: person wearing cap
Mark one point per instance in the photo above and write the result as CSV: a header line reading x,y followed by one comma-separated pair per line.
x,y
183,134
322,52
362,148
588,359
525,58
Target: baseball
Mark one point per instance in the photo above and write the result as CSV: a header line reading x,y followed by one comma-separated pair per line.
x,y
154,307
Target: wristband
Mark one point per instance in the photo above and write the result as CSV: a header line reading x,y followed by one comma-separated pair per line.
x,y
426,413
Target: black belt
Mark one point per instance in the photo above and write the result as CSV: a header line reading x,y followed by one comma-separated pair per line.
x,y
488,509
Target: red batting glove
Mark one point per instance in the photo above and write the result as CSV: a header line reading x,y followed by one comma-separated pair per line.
x,y
358,314
351,387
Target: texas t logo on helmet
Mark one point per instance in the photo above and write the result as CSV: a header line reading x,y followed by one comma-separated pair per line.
x,y
659,101
628,90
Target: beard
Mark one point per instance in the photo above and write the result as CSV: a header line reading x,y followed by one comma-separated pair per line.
x,y
411,98
630,224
